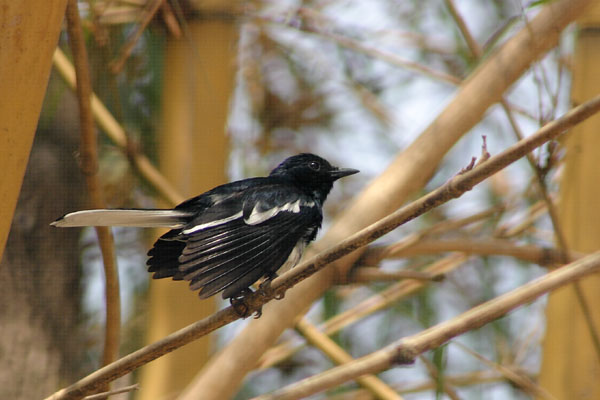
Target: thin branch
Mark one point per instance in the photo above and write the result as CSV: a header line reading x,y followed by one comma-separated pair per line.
x,y
450,190
534,212
117,65
309,25
117,135
484,247
455,224
464,30
465,379
435,377
89,167
405,350
106,395
416,237
519,379
170,20
413,245
369,274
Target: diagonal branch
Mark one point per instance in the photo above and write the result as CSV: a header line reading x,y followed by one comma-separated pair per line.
x,y
151,9
451,189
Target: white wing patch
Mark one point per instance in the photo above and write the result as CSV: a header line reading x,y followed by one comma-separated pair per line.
x,y
212,223
256,216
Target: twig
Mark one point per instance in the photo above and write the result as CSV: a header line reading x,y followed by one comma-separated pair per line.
x,y
519,379
369,274
534,212
117,65
435,376
89,167
465,379
484,247
170,20
451,189
439,228
308,16
117,135
405,350
105,395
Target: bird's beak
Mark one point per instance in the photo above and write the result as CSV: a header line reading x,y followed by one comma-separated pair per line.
x,y
342,172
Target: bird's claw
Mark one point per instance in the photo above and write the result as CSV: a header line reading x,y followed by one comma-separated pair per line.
x,y
265,285
241,306
268,291
279,296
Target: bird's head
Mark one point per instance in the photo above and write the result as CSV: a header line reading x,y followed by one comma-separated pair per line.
x,y
311,173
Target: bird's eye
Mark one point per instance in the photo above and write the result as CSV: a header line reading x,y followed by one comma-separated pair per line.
x,y
315,166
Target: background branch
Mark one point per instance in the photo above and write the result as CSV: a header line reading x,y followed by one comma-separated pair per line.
x,y
484,247
89,167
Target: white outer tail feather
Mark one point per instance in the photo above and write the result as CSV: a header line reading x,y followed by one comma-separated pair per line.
x,y
138,218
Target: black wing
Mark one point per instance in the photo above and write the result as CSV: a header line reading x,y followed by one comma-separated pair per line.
x,y
243,239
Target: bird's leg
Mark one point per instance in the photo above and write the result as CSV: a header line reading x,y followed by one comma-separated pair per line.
x,y
240,306
265,286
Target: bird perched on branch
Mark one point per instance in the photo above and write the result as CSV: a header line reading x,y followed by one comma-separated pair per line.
x,y
228,238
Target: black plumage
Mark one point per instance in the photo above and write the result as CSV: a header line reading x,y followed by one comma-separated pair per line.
x,y
231,236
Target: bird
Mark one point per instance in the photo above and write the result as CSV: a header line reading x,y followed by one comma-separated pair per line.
x,y
228,238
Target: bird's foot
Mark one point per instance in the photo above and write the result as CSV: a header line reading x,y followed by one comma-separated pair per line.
x,y
241,306
265,287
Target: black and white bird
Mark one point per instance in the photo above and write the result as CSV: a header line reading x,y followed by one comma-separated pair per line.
x,y
228,238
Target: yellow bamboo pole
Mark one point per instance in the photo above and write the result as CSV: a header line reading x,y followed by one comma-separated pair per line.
x,y
28,35
198,80
570,366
